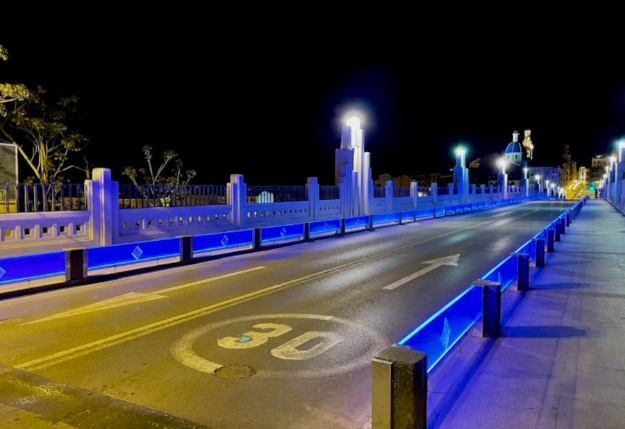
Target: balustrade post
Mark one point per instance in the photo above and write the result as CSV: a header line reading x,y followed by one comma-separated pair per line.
x,y
237,198
313,189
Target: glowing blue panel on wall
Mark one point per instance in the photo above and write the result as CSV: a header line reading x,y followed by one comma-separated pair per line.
x,y
273,233
356,222
130,253
421,213
505,272
439,211
385,218
27,267
437,335
408,215
222,240
323,226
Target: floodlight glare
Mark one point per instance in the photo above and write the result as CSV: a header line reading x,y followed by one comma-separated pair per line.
x,y
460,151
354,122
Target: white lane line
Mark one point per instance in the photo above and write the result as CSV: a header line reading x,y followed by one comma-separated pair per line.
x,y
212,279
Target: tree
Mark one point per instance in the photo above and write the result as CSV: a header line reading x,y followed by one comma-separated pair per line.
x,y
42,129
156,177
10,92
159,188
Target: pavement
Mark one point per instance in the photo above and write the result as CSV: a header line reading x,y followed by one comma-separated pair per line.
x,y
559,362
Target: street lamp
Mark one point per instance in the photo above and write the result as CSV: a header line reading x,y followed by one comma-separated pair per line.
x,y
537,178
501,162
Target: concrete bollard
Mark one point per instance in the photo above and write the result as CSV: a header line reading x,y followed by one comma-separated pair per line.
x,y
540,252
186,248
343,225
399,389
563,225
306,231
491,307
558,230
568,218
75,264
551,234
523,271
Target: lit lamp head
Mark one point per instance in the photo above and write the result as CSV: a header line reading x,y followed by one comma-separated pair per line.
x,y
501,162
354,122
460,153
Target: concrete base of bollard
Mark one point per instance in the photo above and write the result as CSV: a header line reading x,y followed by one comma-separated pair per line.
x,y
399,389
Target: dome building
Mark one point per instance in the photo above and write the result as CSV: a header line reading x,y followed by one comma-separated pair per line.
x,y
514,152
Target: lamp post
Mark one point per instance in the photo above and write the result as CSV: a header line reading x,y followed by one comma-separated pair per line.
x,y
537,178
461,175
503,178
547,188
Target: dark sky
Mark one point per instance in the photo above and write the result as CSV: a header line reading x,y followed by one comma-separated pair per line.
x,y
263,92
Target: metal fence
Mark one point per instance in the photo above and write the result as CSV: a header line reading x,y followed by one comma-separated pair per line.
x,y
379,192
146,196
329,192
401,192
276,194
41,197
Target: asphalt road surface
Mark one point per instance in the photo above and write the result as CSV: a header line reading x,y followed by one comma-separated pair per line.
x,y
276,339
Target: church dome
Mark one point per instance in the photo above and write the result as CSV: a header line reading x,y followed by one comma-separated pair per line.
x,y
514,151
513,147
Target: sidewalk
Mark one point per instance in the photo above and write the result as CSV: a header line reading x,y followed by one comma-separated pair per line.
x,y
560,360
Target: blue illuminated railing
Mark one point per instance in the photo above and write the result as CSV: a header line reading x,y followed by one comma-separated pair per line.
x,y
130,253
31,267
58,263
440,332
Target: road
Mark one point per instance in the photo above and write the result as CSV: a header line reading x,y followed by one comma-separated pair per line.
x,y
280,338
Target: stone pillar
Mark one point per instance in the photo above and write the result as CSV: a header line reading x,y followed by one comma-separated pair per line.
x,y
237,198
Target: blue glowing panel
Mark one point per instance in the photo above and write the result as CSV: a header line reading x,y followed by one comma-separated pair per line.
x,y
322,226
407,216
385,218
528,248
421,213
283,232
505,272
130,253
437,335
439,211
450,210
26,267
222,240
356,222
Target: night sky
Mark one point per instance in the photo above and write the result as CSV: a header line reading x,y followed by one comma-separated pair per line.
x,y
263,93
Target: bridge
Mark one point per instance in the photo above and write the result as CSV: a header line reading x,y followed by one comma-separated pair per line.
x,y
268,223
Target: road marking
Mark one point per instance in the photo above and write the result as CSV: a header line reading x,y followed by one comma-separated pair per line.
x,y
116,301
434,263
212,279
182,349
135,297
85,349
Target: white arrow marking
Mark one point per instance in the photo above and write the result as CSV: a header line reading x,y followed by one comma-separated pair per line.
x,y
117,301
135,297
434,263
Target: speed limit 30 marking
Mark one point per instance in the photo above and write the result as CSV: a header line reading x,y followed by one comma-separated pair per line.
x,y
261,333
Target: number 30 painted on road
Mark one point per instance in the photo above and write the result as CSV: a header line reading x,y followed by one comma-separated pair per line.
x,y
289,350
